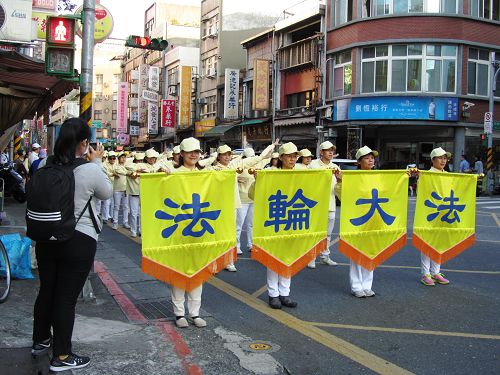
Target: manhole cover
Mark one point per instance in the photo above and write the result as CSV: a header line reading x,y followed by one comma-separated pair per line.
x,y
259,346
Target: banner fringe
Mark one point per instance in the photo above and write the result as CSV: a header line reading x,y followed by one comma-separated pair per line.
x,y
181,281
266,259
368,263
442,258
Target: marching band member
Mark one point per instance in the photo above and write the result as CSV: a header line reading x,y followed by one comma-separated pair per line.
x,y
327,153
278,287
133,190
429,268
305,158
119,191
361,279
190,153
244,214
108,169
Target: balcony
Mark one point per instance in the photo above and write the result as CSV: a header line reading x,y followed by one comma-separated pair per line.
x,y
303,111
301,53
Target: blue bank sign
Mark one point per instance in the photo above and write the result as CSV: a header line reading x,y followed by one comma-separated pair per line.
x,y
396,108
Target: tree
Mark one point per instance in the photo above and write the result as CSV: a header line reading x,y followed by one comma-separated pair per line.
x,y
66,5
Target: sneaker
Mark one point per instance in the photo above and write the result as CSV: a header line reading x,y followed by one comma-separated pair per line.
x,y
427,280
73,361
181,322
231,268
40,348
312,264
198,322
327,261
126,226
275,303
133,234
239,252
115,226
287,302
369,293
359,294
440,279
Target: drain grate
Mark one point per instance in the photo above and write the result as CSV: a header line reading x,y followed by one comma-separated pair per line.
x,y
156,310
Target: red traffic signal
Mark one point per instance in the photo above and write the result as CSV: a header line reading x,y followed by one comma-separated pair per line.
x,y
157,44
60,31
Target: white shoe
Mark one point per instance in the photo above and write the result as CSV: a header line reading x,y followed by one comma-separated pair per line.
x,y
369,293
312,264
126,226
181,323
115,226
327,261
133,234
198,322
231,268
359,294
239,252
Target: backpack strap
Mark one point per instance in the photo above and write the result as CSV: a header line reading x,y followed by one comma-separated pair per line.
x,y
92,217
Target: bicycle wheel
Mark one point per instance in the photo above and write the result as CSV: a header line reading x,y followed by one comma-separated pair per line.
x,y
4,274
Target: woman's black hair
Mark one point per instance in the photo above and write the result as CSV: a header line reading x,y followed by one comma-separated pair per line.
x,y
280,164
299,160
181,163
73,131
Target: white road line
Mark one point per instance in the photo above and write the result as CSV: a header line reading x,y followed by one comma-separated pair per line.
x,y
487,202
492,207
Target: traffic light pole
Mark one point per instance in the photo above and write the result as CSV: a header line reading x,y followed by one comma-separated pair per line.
x,y
495,70
86,76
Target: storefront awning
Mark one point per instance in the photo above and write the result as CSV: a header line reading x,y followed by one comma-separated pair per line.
x,y
295,121
25,89
255,121
218,131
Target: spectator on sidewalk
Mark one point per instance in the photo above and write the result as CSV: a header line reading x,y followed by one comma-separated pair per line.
x,y
19,164
464,165
35,150
64,266
35,165
478,166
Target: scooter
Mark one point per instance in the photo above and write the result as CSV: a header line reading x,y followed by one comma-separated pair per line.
x,y
13,182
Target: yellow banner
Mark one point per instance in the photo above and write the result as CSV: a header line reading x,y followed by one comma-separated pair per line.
x,y
445,214
188,226
290,218
373,215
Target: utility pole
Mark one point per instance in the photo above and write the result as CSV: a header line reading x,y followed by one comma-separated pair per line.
x,y
495,70
87,73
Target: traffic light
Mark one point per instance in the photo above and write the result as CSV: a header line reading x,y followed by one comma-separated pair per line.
x,y
156,44
60,49
484,139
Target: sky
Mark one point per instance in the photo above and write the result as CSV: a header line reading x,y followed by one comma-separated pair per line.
x,y
128,15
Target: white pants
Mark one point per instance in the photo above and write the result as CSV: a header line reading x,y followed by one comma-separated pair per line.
x,y
193,301
134,201
277,285
428,266
120,199
244,214
360,278
106,208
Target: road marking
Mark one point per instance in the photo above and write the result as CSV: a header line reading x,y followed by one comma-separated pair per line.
x,y
335,343
487,202
259,291
442,269
492,207
402,330
497,220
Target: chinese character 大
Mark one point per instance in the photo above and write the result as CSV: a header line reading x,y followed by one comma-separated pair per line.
x,y
374,203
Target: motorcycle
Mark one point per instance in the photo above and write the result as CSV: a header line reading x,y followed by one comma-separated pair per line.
x,y
14,184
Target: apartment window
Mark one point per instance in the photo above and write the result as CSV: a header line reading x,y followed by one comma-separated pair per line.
x,y
98,97
489,9
409,68
478,72
98,79
208,64
301,99
116,79
343,11
384,7
98,114
366,8
342,74
113,114
209,109
115,96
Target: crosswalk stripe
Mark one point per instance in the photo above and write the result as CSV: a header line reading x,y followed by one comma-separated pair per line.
x,y
487,202
492,207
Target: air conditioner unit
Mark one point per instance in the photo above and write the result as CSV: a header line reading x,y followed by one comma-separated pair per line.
x,y
172,90
211,73
202,100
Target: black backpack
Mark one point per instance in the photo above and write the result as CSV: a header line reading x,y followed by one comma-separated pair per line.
x,y
50,210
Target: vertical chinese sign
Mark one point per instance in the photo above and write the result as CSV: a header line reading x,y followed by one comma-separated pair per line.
x,y
185,97
154,78
152,118
231,93
122,107
143,85
168,113
260,98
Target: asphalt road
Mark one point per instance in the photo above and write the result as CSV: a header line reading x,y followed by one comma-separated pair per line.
x,y
407,327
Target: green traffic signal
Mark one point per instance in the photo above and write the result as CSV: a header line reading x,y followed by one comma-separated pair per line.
x,y
143,42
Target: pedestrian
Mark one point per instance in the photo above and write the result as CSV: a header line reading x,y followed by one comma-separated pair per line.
x,y
120,196
361,279
429,268
64,266
326,154
35,165
189,157
278,287
224,162
19,164
464,164
478,165
305,158
35,150
133,191
107,205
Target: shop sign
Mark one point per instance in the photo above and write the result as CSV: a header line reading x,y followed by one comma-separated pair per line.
x,y
202,126
185,97
258,132
397,108
260,98
46,5
103,25
122,108
150,95
152,118
154,78
231,93
168,113
134,130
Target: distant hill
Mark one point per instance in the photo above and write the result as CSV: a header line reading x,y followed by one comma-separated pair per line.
x,y
244,21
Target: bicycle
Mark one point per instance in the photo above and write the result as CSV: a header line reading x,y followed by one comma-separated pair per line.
x,y
4,274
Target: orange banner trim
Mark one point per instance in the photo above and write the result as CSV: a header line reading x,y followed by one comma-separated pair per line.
x,y
366,262
442,258
270,261
179,280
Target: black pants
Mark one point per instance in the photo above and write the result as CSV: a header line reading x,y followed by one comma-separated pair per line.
x,y
63,269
